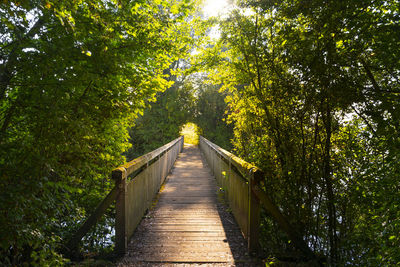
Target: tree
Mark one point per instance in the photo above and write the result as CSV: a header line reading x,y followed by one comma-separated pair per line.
x,y
161,122
315,105
73,77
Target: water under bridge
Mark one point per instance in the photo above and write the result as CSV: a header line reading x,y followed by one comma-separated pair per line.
x,y
185,204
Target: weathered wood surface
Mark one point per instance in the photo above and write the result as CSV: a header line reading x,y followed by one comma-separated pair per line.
x,y
241,180
188,225
136,195
234,175
132,197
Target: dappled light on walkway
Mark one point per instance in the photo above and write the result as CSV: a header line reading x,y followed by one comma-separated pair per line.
x,y
188,223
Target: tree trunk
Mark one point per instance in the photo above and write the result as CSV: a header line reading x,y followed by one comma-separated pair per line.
x,y
329,187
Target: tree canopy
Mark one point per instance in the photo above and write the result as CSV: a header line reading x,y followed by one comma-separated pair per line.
x,y
306,90
73,77
313,93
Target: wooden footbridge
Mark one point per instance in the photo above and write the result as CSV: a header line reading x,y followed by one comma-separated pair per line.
x,y
173,207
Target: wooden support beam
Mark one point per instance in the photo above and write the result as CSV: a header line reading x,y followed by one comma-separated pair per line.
x,y
282,222
91,221
257,198
119,193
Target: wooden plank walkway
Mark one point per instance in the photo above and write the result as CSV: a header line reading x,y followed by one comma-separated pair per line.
x,y
189,225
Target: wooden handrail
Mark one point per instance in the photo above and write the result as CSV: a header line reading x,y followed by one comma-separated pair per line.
x,y
130,206
242,166
132,168
256,197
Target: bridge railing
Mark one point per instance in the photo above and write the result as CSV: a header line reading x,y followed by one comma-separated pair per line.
x,y
241,182
136,184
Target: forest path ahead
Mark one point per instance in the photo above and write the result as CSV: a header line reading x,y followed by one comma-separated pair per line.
x,y
189,224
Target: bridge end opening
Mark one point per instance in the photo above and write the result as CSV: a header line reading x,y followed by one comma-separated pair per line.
x,y
191,133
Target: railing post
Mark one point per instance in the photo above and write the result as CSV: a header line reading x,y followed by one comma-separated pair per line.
x,y
121,239
254,215
159,175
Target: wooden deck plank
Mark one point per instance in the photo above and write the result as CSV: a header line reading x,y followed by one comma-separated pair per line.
x,y
188,225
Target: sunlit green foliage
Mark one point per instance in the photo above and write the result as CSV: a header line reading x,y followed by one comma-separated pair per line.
x,y
73,77
190,99
313,92
311,89
190,132
161,122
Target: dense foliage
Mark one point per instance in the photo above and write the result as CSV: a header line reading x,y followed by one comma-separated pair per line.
x,y
73,77
192,99
310,88
313,93
210,114
161,121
